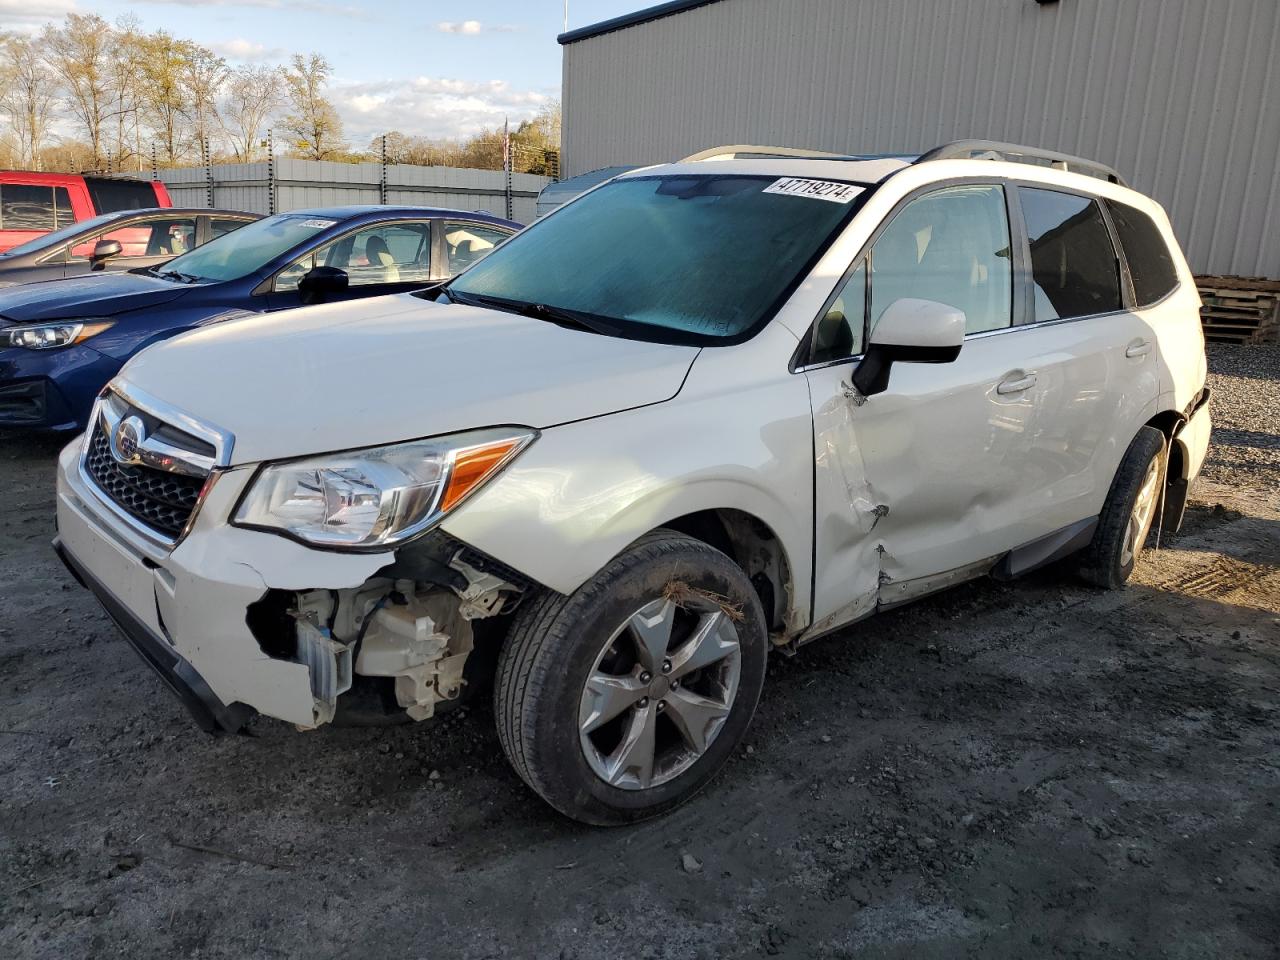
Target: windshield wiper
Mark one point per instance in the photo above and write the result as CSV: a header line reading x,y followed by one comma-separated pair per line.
x,y
562,316
176,275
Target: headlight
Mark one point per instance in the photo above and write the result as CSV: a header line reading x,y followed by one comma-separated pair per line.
x,y
378,497
46,336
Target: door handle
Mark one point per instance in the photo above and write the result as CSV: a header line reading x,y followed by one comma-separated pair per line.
x,y
1139,348
1016,384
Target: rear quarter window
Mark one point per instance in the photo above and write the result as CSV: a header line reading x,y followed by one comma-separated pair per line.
x,y
1151,265
111,195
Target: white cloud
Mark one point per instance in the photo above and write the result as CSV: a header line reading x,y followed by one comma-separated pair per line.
x,y
28,15
246,51
473,27
432,106
464,26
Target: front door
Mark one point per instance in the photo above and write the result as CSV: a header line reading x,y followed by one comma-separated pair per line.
x,y
932,476
381,259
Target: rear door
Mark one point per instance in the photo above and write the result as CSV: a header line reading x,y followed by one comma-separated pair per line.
x,y
464,242
1093,359
378,259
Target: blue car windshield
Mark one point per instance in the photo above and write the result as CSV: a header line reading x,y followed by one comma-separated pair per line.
x,y
702,259
62,235
244,251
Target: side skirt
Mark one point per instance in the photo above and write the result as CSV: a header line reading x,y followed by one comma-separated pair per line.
x,y
1045,550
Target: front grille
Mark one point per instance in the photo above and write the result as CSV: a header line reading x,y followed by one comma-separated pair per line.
x,y
160,500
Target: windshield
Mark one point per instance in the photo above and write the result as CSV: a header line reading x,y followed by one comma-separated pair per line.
x,y
53,239
689,259
240,253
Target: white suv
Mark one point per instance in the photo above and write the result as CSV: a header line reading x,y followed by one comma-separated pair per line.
x,y
702,411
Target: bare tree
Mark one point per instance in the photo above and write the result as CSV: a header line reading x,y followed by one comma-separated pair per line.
x,y
27,96
313,124
80,52
250,96
128,54
204,74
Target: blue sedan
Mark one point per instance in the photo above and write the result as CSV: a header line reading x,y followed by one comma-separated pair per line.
x,y
61,341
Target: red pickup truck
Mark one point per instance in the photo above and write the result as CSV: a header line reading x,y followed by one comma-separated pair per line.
x,y
32,204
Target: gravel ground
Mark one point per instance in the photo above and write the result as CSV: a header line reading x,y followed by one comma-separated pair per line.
x,y
1004,770
1246,416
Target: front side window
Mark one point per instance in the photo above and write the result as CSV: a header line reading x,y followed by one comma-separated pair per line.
x,y
705,258
469,242
951,246
1150,263
24,207
235,255
839,332
1073,264
386,253
167,237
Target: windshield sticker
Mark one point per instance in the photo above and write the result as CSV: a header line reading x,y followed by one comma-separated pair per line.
x,y
319,224
815,189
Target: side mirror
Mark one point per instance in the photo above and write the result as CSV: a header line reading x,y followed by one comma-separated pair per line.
x,y
909,331
321,282
103,251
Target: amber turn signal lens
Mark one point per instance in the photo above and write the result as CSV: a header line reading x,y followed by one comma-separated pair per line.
x,y
471,466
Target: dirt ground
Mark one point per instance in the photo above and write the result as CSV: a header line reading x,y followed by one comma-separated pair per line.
x,y
1005,770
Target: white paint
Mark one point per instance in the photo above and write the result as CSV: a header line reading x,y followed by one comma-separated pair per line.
x,y
918,486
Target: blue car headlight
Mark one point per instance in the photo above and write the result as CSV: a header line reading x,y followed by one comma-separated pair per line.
x,y
48,336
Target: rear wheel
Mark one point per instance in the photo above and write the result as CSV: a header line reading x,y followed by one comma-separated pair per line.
x,y
622,700
1129,512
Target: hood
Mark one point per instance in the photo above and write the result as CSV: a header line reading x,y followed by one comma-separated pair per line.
x,y
377,371
99,295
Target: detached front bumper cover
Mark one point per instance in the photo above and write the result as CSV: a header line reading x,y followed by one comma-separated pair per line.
x,y
210,713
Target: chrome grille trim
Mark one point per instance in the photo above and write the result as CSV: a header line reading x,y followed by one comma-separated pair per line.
x,y
163,456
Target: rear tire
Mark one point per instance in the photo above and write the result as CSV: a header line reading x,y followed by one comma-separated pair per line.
x,y
1129,512
620,701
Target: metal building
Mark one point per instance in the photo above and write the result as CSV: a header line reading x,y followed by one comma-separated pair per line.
x,y
1183,96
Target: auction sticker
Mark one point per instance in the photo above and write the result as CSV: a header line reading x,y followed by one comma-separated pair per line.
x,y
828,190
321,224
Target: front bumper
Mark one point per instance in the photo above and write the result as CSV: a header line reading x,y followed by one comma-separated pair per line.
x,y
210,713
51,389
184,608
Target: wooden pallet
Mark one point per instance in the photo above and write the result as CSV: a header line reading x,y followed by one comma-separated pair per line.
x,y
1240,309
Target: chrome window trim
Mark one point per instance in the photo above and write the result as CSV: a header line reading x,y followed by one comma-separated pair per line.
x,y
223,442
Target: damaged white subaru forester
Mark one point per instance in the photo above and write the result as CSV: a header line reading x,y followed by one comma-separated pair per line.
x,y
703,411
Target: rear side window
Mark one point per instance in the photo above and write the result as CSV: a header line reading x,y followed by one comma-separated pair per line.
x,y
62,207
1073,262
24,207
217,226
111,195
1150,262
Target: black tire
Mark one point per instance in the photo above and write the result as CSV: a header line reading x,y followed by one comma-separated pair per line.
x,y
553,646
1104,563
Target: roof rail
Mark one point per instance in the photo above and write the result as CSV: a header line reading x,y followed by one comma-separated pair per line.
x,y
743,151
994,150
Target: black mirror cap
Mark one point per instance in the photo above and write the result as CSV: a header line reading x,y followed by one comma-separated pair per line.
x,y
103,251
320,282
872,374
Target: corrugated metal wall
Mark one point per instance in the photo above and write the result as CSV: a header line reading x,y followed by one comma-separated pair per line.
x,y
1183,96
321,183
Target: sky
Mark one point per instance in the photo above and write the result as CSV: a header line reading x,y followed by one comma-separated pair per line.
x,y
435,68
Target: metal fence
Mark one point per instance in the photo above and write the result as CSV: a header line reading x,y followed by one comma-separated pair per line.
x,y
282,185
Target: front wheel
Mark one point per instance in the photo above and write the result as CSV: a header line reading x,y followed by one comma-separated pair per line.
x,y
1129,512
622,700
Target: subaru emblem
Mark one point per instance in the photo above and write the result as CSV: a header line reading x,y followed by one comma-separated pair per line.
x,y
126,439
